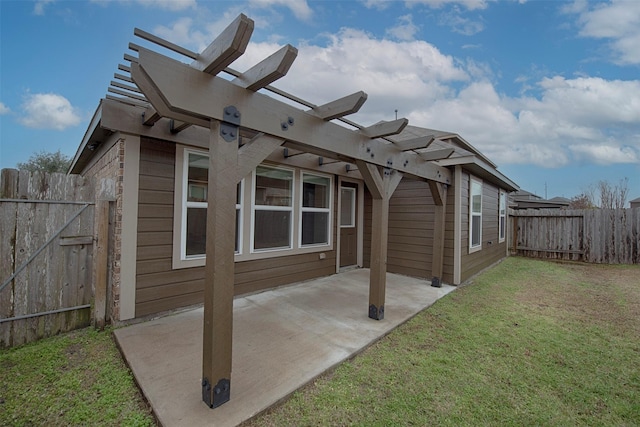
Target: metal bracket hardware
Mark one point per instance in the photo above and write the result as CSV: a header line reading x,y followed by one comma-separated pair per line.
x,y
285,125
220,394
376,313
230,124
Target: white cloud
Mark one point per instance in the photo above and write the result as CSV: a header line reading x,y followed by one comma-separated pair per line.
x,y
617,21
404,30
461,25
38,7
436,4
4,109
606,153
402,75
174,5
49,111
299,8
376,4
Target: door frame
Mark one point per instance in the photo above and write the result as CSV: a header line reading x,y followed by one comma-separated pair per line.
x,y
359,220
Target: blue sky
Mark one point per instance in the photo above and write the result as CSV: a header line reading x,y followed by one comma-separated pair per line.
x,y
549,90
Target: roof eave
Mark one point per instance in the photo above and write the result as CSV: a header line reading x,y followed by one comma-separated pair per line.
x,y
94,125
483,169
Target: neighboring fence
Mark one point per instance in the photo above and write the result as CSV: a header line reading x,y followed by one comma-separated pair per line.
x,y
47,235
608,236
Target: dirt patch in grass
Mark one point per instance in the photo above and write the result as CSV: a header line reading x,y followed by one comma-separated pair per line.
x,y
584,293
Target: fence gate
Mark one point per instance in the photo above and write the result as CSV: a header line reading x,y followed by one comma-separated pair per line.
x,y
46,254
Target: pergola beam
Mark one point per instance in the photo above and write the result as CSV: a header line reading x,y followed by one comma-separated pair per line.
x,y
226,48
350,104
268,70
204,96
383,129
150,116
251,154
436,154
414,143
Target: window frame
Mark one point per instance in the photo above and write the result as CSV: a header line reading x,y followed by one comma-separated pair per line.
x,y
352,214
502,216
328,210
255,207
246,214
473,180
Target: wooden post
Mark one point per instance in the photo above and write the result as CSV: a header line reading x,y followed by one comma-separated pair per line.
x,y
101,268
219,269
439,194
381,188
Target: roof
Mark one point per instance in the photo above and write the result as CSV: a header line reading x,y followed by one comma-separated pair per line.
x,y
523,199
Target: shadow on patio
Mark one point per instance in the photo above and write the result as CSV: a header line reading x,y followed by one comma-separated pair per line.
x,y
282,339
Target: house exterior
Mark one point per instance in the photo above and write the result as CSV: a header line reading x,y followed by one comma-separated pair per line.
x,y
223,189
635,203
298,215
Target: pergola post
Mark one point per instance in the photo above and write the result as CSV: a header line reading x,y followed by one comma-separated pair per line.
x,y
219,269
381,187
439,194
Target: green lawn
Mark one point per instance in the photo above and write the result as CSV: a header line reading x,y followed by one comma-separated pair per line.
x,y
528,343
73,379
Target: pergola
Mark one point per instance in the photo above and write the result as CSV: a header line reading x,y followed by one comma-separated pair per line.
x,y
193,94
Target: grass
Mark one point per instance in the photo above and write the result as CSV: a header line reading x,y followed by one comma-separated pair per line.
x,y
528,343
75,379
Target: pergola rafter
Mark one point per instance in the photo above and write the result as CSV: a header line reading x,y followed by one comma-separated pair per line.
x,y
193,94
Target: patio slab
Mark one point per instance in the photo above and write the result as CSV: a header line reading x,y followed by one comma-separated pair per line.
x,y
282,339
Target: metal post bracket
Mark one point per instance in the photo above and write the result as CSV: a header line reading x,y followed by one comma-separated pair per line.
x,y
230,125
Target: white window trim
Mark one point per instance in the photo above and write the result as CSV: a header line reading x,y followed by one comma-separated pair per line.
x,y
303,209
239,207
502,202
353,206
246,217
472,214
255,208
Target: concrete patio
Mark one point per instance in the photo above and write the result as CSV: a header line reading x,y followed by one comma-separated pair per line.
x,y
282,339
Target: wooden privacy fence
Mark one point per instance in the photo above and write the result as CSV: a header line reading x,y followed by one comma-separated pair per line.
x,y
48,226
608,236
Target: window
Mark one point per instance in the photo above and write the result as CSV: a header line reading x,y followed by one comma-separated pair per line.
x,y
347,207
315,210
503,216
194,224
475,215
273,208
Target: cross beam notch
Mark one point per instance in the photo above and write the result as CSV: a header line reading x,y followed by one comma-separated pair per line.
x,y
226,48
268,70
349,104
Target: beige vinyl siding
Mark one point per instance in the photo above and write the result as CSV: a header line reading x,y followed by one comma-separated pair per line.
x,y
158,287
492,251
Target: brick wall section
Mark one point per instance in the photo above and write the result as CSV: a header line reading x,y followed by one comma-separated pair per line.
x,y
111,165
